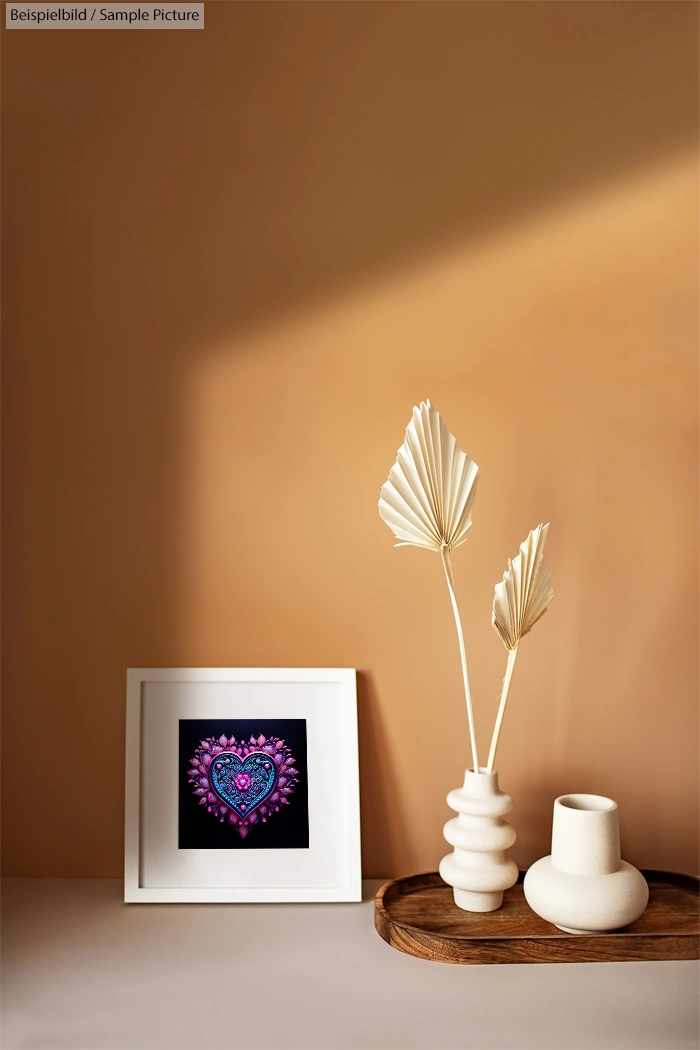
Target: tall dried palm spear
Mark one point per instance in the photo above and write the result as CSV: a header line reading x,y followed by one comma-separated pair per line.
x,y
427,502
519,601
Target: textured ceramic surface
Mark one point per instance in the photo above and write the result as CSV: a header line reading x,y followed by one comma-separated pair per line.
x,y
478,869
584,886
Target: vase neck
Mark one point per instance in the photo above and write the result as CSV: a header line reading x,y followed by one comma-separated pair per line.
x,y
586,835
481,783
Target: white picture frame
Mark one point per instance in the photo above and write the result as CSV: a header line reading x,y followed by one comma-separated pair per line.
x,y
157,869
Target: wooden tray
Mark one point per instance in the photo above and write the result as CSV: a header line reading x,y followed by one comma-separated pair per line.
x,y
417,915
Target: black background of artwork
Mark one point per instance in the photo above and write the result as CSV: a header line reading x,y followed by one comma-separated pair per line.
x,y
288,829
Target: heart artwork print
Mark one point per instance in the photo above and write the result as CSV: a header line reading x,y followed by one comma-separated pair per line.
x,y
244,782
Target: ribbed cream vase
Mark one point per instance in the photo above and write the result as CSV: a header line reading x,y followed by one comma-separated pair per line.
x,y
478,869
584,886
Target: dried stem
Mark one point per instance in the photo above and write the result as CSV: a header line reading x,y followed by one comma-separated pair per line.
x,y
462,652
512,653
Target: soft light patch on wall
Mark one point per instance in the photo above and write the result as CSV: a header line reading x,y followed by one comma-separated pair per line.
x,y
563,353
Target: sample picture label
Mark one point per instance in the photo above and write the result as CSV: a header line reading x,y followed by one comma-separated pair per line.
x,y
243,784
104,16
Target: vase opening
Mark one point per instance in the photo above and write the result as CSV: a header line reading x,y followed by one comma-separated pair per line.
x,y
590,803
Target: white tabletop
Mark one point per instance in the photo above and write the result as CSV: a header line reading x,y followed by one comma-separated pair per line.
x,y
83,970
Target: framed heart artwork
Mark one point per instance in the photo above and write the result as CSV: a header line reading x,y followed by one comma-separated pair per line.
x,y
242,785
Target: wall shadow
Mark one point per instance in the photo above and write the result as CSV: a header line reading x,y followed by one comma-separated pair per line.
x,y
384,824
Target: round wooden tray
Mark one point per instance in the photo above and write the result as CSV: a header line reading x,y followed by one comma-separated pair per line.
x,y
417,915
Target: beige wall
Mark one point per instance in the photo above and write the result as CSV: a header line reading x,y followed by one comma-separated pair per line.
x,y
233,261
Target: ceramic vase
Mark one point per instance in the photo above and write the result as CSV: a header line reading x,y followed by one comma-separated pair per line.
x,y
585,886
478,869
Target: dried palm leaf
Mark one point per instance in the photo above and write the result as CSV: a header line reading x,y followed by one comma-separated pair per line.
x,y
428,499
525,592
519,602
427,502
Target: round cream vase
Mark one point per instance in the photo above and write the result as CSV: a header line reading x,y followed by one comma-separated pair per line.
x,y
585,886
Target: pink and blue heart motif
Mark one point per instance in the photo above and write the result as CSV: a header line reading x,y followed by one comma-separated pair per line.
x,y
244,782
